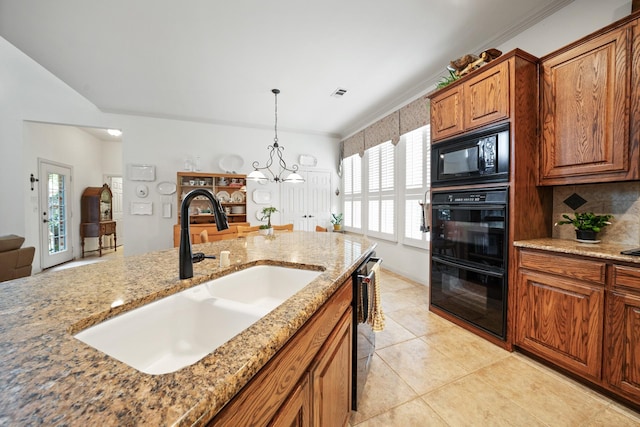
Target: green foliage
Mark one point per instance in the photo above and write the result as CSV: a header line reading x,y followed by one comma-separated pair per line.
x,y
447,80
587,221
336,218
266,215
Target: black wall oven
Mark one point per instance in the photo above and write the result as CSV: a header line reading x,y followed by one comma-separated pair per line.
x,y
469,244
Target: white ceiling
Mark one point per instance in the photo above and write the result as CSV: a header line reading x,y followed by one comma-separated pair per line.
x,y
217,61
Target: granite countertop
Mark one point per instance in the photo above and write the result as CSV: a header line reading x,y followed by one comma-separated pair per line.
x,y
49,377
609,251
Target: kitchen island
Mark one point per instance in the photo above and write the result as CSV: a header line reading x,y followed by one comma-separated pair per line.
x,y
49,377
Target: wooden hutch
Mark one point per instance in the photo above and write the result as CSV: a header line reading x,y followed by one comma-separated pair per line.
x,y
96,215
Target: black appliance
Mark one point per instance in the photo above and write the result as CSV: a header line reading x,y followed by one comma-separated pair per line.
x,y
477,157
363,337
469,244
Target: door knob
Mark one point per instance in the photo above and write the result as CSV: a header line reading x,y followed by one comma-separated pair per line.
x,y
45,220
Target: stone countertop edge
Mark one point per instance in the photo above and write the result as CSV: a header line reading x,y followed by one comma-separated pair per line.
x,y
49,377
607,251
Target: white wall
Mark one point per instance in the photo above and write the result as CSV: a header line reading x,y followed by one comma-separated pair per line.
x,y
72,147
29,92
167,143
571,23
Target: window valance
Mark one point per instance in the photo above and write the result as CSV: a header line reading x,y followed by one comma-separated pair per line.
x,y
385,129
410,117
414,115
354,144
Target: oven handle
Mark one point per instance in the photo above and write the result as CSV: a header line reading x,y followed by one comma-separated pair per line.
x,y
369,276
467,267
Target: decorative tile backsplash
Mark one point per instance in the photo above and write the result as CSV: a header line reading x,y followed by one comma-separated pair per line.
x,y
621,199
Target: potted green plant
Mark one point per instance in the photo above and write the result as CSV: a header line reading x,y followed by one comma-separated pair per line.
x,y
266,215
587,224
336,220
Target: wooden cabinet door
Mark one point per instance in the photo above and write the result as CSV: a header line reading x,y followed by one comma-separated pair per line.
x,y
446,114
585,122
296,411
562,321
487,97
622,361
622,342
331,377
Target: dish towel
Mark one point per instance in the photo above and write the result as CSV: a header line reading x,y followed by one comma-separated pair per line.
x,y
376,315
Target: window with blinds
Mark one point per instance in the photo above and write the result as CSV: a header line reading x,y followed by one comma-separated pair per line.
x,y
417,147
383,190
381,195
352,184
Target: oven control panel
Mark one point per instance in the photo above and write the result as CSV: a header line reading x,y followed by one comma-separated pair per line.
x,y
457,198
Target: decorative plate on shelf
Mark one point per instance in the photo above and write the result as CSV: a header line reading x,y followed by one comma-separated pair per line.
x,y
261,196
588,241
223,196
237,197
231,163
166,187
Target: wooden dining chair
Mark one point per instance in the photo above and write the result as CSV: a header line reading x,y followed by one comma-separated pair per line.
x,y
244,230
285,227
320,229
204,236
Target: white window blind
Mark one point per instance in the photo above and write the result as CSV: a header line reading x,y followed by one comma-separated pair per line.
x,y
381,196
417,181
352,184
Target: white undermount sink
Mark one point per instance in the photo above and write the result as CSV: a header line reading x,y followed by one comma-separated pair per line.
x,y
179,330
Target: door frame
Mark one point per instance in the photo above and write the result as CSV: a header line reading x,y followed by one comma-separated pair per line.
x,y
107,178
46,260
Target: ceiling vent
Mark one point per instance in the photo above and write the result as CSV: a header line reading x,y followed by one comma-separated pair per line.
x,y
338,93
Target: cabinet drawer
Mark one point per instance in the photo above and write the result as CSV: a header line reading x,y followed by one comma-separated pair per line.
x,y
564,266
626,277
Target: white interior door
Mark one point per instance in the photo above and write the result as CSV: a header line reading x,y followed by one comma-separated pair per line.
x,y
55,219
308,204
117,209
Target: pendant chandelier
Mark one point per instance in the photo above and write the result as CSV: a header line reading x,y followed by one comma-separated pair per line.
x,y
275,150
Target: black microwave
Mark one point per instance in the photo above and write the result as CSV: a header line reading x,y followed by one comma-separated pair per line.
x,y
476,157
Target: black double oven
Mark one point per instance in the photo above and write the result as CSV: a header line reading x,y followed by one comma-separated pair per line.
x,y
469,229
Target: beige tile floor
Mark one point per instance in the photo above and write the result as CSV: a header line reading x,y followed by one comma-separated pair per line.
x,y
427,371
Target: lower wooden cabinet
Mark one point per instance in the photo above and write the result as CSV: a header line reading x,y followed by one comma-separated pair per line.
x,y
308,382
622,331
331,387
561,320
296,411
583,315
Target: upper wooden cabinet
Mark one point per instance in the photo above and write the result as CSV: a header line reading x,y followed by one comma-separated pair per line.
x,y
588,134
477,100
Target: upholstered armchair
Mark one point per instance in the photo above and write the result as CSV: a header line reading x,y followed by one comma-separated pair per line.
x,y
15,261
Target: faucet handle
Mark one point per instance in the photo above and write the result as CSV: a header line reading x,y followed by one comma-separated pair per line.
x,y
200,256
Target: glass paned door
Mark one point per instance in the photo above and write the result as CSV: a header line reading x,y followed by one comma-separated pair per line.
x,y
56,246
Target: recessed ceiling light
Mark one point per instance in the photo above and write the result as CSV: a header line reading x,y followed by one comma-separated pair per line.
x,y
114,132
